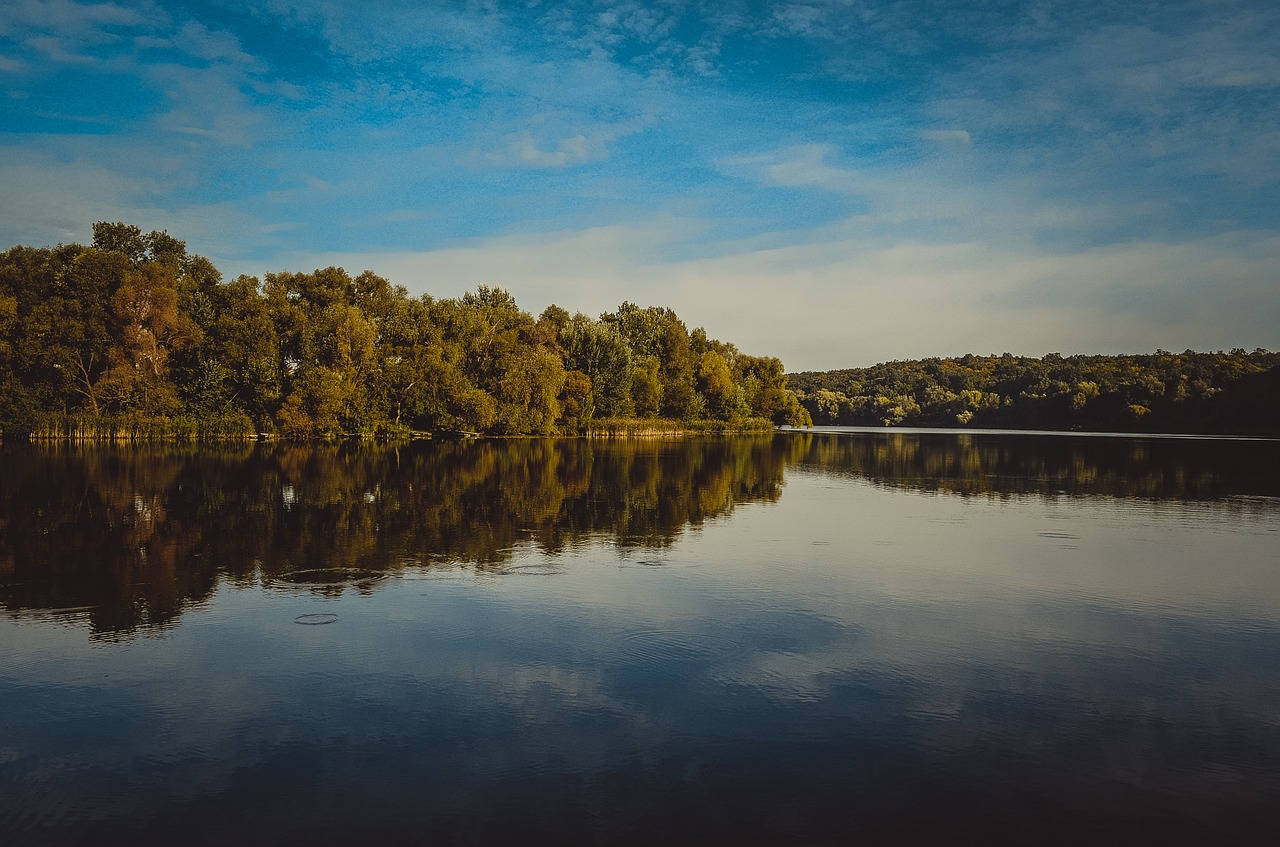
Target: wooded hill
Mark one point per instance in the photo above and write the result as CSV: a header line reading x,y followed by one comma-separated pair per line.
x,y
1236,392
133,337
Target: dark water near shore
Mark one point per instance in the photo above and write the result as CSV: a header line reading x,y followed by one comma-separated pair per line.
x,y
792,639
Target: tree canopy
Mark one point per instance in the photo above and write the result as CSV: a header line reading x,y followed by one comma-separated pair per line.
x,y
134,335
1232,392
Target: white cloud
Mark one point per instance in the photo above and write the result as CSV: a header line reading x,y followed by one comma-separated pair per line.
x,y
279,88
198,40
65,16
56,197
591,270
524,151
208,103
305,189
801,19
800,166
68,33
48,200
58,50
402,216
951,136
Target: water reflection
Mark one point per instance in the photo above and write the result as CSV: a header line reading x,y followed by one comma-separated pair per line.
x,y
897,638
129,537
133,535
1048,465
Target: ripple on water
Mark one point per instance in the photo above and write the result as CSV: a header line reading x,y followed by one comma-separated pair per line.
x,y
532,569
650,562
672,651
659,560
311,577
316,619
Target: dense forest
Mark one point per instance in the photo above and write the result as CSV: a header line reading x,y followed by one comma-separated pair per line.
x,y
1236,392
134,337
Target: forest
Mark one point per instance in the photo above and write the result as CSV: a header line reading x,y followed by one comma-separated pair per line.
x,y
1211,393
134,338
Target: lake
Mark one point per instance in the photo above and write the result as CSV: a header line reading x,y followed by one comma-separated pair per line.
x,y
798,638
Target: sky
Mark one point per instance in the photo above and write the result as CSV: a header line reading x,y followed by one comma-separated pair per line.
x,y
834,182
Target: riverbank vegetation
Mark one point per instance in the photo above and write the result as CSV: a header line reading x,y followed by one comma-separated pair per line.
x,y
1213,393
134,338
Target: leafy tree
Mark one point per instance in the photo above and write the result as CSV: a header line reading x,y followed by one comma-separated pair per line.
x,y
528,394
715,382
677,363
646,386
600,351
137,329
243,340
125,239
147,327
576,404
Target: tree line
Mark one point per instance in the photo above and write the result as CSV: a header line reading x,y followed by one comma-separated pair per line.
x,y
135,337
1233,392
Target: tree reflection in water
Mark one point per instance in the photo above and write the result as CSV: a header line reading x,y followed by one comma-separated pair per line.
x,y
130,536
1007,464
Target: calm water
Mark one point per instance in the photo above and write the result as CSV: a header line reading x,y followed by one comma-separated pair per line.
x,y
803,638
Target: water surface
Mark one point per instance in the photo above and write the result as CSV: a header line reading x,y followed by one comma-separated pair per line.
x,y
804,638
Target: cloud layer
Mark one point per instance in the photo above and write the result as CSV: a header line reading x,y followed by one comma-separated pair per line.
x,y
835,184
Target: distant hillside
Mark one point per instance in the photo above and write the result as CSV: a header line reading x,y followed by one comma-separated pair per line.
x,y
1210,393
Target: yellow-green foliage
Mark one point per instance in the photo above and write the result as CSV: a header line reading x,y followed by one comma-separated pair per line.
x,y
133,338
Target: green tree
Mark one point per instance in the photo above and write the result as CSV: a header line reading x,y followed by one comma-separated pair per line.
x,y
600,351
646,385
243,350
125,239
715,382
137,325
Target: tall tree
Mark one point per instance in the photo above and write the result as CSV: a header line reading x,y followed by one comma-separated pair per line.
x,y
600,351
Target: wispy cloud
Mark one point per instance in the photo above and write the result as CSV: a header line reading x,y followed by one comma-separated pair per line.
x,y
197,40
71,18
801,166
1018,172
524,150
49,201
948,136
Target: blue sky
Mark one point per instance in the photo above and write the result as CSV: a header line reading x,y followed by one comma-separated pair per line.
x,y
837,183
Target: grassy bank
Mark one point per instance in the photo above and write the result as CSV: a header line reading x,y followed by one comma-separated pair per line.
x,y
665,428
131,428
